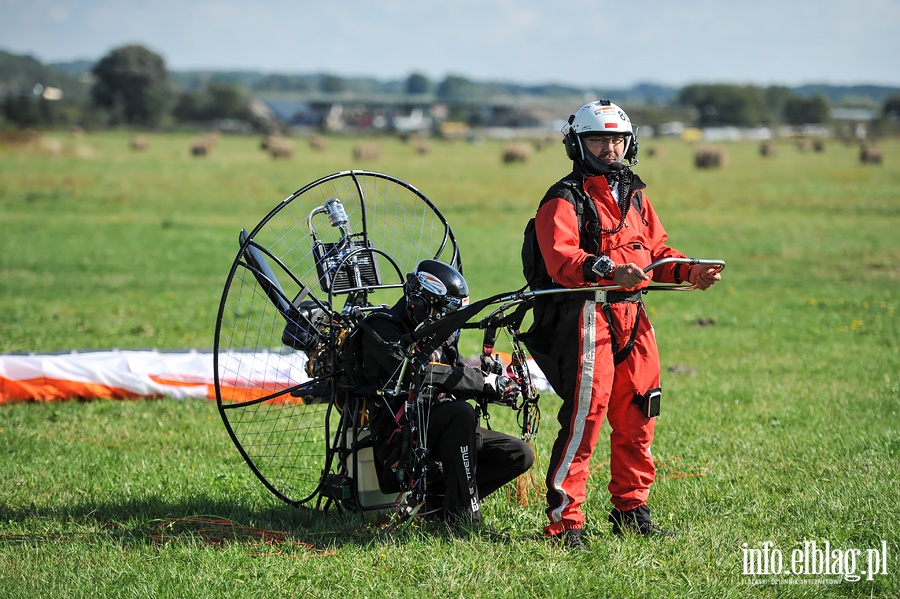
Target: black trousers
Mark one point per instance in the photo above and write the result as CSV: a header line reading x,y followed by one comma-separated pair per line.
x,y
476,462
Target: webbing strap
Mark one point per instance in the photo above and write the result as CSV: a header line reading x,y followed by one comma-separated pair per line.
x,y
620,354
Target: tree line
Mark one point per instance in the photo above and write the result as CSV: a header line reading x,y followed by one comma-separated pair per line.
x,y
131,86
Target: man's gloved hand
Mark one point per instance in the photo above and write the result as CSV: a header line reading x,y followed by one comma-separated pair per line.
x,y
505,390
491,365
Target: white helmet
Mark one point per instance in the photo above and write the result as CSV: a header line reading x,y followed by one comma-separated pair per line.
x,y
601,116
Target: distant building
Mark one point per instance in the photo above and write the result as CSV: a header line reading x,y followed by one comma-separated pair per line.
x,y
853,122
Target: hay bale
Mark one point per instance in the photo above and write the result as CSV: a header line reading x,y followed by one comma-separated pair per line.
x,y
869,154
367,151
516,152
282,149
710,158
138,143
203,145
278,146
200,148
49,145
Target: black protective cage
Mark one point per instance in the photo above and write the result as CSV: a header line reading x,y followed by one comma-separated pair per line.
x,y
300,429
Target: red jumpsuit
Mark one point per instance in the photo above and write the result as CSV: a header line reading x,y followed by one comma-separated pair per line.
x,y
590,384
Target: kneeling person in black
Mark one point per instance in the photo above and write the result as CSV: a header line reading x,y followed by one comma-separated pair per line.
x,y
475,462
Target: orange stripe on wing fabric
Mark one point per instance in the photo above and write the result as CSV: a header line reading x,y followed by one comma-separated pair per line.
x,y
48,389
242,394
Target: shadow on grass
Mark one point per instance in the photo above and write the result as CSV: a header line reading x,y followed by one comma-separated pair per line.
x,y
199,522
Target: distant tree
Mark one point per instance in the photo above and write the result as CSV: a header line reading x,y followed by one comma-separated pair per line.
x,y
776,98
454,87
417,84
807,111
187,106
132,83
332,84
228,102
19,74
286,83
820,109
891,108
720,105
214,102
24,87
22,110
32,110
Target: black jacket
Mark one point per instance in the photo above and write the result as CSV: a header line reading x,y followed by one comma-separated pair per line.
x,y
382,358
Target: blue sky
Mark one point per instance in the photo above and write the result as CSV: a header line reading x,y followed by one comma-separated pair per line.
x,y
572,42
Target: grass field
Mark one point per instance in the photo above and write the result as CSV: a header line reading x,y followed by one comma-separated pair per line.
x,y
779,427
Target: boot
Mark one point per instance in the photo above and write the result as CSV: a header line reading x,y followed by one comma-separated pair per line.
x,y
569,540
637,521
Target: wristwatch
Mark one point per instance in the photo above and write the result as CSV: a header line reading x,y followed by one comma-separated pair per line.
x,y
603,266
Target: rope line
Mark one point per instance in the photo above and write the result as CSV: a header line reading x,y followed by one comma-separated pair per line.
x,y
218,532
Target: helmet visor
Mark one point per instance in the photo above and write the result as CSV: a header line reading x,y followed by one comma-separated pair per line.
x,y
432,285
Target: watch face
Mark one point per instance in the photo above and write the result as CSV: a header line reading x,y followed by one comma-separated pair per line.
x,y
603,266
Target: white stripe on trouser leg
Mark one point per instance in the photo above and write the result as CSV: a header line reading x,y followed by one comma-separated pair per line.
x,y
582,405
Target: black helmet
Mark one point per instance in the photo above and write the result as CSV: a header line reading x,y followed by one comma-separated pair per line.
x,y
434,289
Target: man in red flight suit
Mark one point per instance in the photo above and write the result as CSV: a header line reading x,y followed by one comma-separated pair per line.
x,y
600,350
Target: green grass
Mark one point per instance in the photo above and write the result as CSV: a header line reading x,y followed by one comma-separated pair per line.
x,y
780,421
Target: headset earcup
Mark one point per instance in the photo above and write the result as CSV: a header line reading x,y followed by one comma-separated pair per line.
x,y
571,141
416,304
417,307
632,151
573,146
